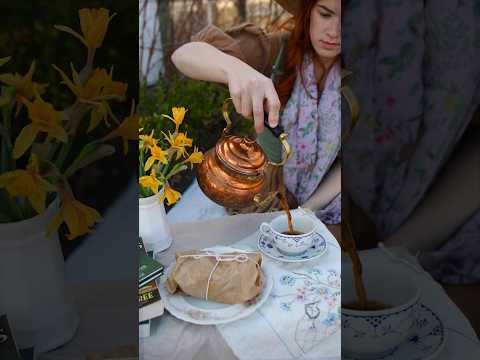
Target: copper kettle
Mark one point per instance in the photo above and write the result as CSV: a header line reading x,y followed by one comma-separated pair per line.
x,y
233,172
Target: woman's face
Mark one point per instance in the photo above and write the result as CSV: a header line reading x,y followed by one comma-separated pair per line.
x,y
325,28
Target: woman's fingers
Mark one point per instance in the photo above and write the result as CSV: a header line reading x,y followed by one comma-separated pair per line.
x,y
246,105
273,106
236,95
253,94
258,115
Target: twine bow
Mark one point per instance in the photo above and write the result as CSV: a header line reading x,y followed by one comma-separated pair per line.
x,y
240,258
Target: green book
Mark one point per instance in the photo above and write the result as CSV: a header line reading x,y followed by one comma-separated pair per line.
x,y
148,268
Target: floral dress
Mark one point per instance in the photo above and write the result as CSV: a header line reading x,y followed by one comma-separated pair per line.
x,y
416,74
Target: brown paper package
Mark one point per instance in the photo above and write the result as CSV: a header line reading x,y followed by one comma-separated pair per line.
x,y
232,282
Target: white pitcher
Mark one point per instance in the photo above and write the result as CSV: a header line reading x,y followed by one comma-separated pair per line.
x,y
33,294
152,224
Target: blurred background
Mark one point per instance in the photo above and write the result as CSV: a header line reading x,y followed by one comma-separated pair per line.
x,y
29,35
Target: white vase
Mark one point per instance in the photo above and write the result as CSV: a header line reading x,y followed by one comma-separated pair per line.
x,y
153,226
32,281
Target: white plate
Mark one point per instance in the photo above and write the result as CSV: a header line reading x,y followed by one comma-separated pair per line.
x,y
427,341
203,312
319,247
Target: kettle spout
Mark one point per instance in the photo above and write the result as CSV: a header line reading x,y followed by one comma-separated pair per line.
x,y
261,201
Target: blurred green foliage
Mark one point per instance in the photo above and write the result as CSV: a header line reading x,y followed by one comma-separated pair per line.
x,y
204,120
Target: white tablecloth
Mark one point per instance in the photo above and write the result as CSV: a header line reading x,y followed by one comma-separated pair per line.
x,y
174,339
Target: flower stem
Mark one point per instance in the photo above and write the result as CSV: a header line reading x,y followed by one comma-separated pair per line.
x,y
6,162
64,150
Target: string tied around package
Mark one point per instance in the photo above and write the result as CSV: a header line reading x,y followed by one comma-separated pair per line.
x,y
240,258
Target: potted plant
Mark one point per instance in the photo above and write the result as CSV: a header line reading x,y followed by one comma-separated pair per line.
x,y
35,166
161,158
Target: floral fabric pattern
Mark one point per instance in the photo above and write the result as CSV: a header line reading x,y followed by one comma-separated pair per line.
x,y
417,82
318,292
313,125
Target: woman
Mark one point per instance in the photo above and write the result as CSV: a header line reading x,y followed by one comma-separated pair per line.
x,y
305,101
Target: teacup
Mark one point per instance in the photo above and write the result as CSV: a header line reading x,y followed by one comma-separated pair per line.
x,y
290,244
373,334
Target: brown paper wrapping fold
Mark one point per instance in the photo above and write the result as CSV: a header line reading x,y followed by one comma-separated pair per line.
x,y
232,282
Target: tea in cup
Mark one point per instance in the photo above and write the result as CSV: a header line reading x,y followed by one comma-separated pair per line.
x,y
285,241
389,317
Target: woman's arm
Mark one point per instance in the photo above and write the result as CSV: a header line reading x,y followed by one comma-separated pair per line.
x,y
252,92
330,187
453,198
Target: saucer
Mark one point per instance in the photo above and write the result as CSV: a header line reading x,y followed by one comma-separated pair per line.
x,y
427,340
206,312
319,247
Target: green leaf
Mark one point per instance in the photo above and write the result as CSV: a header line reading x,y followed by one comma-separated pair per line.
x,y
24,140
176,169
4,60
4,100
41,150
90,153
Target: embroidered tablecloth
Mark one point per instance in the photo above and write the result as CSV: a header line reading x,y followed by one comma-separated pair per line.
x,y
301,318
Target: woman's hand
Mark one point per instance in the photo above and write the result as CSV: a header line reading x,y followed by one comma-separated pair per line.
x,y
253,94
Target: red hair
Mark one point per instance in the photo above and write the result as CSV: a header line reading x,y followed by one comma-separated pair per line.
x,y
299,45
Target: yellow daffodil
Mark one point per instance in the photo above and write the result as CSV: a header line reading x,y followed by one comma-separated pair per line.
x,y
170,194
96,91
128,129
28,183
78,217
94,25
150,182
148,141
157,155
114,89
111,90
179,142
25,87
92,87
44,118
196,157
178,116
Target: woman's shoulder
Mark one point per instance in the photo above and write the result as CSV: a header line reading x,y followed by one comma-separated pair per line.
x,y
248,42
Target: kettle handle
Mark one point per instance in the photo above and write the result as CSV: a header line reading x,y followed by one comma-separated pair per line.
x,y
288,151
226,116
283,136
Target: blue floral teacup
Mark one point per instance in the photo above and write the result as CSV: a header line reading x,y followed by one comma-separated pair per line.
x,y
287,244
376,332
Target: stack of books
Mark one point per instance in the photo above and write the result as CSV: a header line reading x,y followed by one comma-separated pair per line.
x,y
150,304
8,347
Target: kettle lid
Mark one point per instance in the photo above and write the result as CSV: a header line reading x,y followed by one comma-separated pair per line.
x,y
241,154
